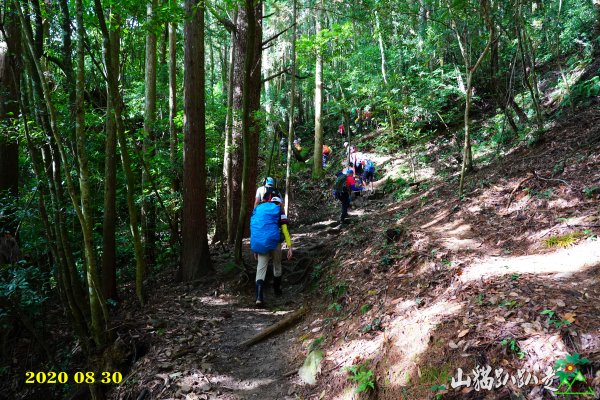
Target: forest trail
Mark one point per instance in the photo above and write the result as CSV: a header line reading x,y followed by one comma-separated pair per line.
x,y
445,281
196,332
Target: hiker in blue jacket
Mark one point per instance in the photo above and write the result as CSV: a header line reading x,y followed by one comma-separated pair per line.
x,y
268,228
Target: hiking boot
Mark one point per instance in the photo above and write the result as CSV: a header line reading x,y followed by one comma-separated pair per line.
x,y
259,292
277,286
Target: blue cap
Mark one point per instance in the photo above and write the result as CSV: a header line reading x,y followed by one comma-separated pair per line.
x,y
349,171
270,181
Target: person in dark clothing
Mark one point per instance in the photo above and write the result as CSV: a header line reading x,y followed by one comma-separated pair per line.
x,y
342,193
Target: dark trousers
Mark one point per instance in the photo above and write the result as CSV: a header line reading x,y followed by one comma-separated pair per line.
x,y
344,198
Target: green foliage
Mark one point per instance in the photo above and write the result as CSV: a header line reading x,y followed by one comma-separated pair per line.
x,y
513,347
316,344
574,360
365,308
363,376
335,307
558,323
563,240
589,192
23,289
509,304
337,290
375,325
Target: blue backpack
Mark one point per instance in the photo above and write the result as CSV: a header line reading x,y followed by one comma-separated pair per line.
x,y
264,228
369,166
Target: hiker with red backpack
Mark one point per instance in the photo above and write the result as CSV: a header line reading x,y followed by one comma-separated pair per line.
x,y
341,191
268,228
266,192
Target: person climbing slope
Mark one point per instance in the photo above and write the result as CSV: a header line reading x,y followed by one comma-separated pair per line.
x,y
326,154
266,192
369,173
341,191
342,130
268,228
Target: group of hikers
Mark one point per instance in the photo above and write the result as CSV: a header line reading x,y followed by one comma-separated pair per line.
x,y
269,224
355,177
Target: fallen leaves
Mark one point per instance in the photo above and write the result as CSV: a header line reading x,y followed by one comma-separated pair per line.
x,y
463,333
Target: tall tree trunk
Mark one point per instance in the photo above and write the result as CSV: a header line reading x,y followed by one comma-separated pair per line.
x,y
195,261
10,67
109,244
381,48
173,141
288,183
223,229
113,84
148,207
98,311
596,29
318,149
227,160
67,64
467,163
248,125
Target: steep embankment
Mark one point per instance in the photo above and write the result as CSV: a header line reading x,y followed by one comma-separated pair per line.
x,y
507,277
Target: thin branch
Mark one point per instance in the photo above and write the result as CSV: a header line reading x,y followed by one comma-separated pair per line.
x,y
55,60
264,43
226,22
268,78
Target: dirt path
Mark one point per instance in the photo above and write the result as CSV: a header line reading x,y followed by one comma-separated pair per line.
x,y
194,335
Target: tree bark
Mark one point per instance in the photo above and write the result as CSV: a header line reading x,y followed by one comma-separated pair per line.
x,y
112,77
98,311
318,149
249,134
173,141
148,213
109,244
195,262
288,183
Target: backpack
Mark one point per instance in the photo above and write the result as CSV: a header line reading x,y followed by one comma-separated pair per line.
x,y
339,186
264,228
270,192
369,166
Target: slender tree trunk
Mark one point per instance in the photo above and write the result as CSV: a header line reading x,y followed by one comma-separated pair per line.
x,y
318,149
247,130
195,262
381,48
109,243
81,206
596,29
67,64
173,141
113,85
227,160
288,183
98,311
467,163
148,207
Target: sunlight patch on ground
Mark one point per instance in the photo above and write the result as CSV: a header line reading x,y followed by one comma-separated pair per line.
x,y
231,383
562,262
217,301
410,337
